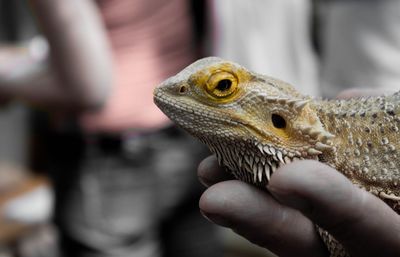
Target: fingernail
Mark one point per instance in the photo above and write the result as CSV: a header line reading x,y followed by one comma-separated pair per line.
x,y
290,199
215,218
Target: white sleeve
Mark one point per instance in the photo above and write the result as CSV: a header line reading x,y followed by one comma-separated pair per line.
x,y
360,45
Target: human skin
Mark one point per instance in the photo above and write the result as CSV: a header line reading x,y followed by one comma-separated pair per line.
x,y
299,195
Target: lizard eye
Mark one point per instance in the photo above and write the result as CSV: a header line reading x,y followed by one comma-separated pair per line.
x,y
222,84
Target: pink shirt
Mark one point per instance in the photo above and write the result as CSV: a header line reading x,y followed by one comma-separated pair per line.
x,y
151,40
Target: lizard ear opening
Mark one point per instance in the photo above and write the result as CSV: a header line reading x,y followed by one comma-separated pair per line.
x,y
278,121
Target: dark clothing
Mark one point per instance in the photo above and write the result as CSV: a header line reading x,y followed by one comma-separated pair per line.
x,y
115,195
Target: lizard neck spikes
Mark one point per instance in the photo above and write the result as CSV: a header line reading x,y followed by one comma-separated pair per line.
x,y
313,151
299,105
295,104
323,147
316,133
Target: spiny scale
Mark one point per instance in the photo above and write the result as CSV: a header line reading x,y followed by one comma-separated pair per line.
x,y
254,169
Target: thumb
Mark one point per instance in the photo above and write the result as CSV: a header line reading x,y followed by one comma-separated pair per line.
x,y
364,224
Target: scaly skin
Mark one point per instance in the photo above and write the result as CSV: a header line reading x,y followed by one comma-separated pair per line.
x,y
254,124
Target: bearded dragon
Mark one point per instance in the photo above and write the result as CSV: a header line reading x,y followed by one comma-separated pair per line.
x,y
254,124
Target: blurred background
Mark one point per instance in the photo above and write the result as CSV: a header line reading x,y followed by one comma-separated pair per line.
x,y
90,167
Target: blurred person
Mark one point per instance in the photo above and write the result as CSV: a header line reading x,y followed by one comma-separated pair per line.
x,y
122,174
320,47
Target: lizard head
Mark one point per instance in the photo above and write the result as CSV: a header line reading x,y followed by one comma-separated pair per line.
x,y
253,123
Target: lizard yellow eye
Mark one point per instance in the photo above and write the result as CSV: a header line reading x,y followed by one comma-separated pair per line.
x,y
222,84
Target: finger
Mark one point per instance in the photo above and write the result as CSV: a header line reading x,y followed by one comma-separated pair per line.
x,y
210,173
257,216
358,92
353,216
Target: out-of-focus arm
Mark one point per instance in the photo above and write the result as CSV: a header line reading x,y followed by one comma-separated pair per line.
x,y
79,75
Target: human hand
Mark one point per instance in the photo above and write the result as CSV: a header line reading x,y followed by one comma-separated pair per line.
x,y
300,195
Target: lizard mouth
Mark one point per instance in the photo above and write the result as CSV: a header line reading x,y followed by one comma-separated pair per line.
x,y
178,111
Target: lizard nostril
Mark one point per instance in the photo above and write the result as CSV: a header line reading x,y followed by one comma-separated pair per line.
x,y
182,89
